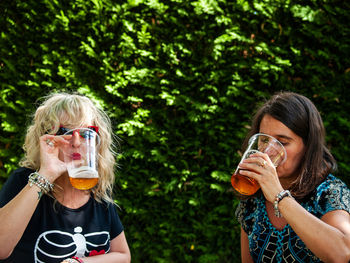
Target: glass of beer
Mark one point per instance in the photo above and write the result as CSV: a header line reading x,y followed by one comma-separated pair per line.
x,y
81,157
244,186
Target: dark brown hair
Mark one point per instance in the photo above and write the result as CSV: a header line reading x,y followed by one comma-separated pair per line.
x,y
300,115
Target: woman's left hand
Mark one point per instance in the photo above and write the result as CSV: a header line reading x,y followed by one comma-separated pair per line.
x,y
260,168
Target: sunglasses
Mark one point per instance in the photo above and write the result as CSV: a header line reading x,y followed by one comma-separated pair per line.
x,y
86,133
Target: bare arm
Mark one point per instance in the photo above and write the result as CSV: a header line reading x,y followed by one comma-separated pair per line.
x,y
328,238
16,214
245,254
15,217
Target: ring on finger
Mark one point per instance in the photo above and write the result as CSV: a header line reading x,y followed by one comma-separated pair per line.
x,y
49,143
263,164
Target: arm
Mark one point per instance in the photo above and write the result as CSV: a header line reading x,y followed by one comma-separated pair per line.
x,y
16,214
15,217
328,238
245,254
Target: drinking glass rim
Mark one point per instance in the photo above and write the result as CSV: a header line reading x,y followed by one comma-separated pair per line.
x,y
273,138
94,132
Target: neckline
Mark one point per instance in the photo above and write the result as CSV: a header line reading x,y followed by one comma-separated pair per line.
x,y
76,209
267,219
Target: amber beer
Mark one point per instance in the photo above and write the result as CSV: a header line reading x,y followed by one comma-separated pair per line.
x,y
83,178
244,185
83,183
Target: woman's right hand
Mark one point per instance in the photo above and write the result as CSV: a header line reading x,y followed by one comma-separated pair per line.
x,y
51,165
260,168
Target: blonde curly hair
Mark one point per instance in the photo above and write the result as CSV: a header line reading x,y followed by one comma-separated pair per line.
x,y
73,110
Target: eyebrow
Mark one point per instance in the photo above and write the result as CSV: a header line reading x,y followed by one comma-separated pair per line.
x,y
284,137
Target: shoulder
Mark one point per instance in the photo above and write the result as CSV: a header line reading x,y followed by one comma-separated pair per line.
x,y
105,206
22,172
247,207
108,212
14,184
249,212
332,194
19,177
332,185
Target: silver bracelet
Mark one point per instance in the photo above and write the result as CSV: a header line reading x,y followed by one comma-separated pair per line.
x,y
278,198
40,181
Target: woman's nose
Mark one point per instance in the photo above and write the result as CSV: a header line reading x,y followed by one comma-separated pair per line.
x,y
76,140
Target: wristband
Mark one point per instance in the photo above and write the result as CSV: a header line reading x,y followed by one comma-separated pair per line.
x,y
278,198
70,260
78,259
73,260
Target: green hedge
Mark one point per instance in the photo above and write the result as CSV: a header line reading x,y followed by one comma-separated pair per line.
x,y
180,79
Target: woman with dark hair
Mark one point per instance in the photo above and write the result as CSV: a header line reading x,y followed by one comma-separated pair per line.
x,y
301,213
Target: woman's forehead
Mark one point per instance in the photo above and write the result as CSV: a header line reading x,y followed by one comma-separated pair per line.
x,y
75,122
275,128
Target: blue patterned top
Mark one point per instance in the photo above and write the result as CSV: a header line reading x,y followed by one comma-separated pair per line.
x,y
268,244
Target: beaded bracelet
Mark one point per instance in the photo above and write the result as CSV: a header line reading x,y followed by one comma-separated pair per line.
x,y
40,181
278,198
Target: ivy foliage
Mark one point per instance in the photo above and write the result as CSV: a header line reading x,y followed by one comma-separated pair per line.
x,y
180,80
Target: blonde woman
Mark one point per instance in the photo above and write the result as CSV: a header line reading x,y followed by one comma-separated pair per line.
x,y
43,217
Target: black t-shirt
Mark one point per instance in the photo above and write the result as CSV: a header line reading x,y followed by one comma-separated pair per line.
x,y
56,232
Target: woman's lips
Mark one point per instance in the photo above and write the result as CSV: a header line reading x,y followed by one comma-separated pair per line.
x,y
76,156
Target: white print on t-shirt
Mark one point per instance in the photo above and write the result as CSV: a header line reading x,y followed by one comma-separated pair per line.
x,y
77,245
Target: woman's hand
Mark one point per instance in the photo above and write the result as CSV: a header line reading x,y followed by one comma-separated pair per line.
x,y
51,165
259,167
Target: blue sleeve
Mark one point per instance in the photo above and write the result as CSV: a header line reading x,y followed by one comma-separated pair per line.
x,y
240,211
245,214
14,184
333,194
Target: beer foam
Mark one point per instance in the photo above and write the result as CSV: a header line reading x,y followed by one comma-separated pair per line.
x,y
83,172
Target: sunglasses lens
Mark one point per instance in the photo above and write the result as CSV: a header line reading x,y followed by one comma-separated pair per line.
x,y
61,131
86,134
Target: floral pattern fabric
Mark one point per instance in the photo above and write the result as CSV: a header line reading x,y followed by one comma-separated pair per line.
x,y
268,244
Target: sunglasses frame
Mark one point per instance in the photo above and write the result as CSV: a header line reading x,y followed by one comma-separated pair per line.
x,y
62,130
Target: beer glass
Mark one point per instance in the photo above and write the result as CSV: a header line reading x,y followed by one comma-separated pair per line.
x,y
80,157
244,186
